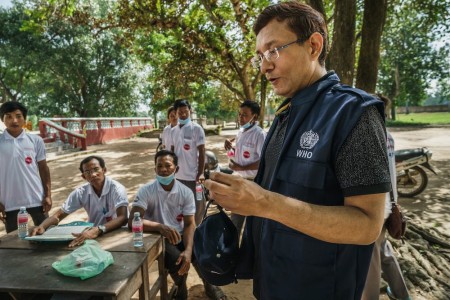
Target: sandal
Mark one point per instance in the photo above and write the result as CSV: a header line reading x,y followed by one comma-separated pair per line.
x,y
214,292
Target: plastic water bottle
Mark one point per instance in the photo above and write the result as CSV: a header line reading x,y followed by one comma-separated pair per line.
x,y
138,229
22,222
198,192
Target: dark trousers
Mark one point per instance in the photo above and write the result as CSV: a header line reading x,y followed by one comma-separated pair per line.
x,y
36,214
171,255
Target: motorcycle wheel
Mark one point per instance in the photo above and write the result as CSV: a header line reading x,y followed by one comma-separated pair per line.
x,y
412,182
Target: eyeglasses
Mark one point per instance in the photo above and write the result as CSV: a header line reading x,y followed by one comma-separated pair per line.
x,y
91,171
270,55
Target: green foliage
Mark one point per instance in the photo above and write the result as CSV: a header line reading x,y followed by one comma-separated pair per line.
x,y
70,70
409,59
436,118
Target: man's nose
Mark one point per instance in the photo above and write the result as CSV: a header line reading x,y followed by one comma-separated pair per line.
x,y
266,66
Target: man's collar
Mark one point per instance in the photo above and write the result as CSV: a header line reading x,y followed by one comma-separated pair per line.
x,y
310,93
9,136
173,190
105,189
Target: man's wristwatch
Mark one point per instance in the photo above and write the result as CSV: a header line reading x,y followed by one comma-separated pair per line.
x,y
102,229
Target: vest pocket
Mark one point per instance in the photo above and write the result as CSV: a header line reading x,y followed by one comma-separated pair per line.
x,y
302,172
310,264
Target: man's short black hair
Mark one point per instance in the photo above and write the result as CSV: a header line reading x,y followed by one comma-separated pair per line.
x,y
253,105
11,106
180,103
167,152
89,158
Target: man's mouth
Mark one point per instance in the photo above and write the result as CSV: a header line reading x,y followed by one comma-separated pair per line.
x,y
273,80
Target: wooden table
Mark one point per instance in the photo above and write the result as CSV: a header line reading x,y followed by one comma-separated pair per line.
x,y
26,267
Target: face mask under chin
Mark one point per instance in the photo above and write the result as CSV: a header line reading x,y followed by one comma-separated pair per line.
x,y
165,180
184,122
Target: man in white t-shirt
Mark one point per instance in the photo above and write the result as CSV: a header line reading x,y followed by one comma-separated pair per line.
x,y
173,121
248,146
24,174
188,143
104,199
168,207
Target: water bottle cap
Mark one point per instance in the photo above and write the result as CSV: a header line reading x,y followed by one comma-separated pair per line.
x,y
23,208
137,214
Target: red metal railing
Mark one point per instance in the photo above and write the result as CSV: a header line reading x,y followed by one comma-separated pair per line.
x,y
83,132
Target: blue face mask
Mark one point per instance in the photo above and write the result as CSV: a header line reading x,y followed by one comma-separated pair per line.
x,y
165,180
184,122
247,125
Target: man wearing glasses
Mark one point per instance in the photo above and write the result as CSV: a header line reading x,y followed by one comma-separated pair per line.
x,y
104,199
317,203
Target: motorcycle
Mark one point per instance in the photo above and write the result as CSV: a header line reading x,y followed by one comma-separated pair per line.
x,y
411,176
212,165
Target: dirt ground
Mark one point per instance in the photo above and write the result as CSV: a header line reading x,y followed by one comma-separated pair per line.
x,y
131,163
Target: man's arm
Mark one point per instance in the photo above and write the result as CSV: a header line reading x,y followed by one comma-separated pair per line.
x,y
188,240
52,220
358,222
228,144
44,173
121,219
237,167
94,232
170,233
201,162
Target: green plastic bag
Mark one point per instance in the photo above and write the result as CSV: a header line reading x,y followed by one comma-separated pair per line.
x,y
85,262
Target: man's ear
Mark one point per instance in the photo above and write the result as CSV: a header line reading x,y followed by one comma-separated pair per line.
x,y
82,176
176,169
316,44
104,170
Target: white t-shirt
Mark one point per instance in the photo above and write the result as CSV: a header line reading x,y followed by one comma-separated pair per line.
x,y
164,207
185,141
248,148
101,209
20,181
166,136
393,172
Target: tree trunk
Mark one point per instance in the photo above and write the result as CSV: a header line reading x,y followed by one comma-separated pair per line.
x,y
342,54
369,55
318,5
263,100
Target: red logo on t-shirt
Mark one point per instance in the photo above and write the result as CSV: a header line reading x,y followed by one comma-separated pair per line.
x,y
186,147
28,160
180,217
108,219
246,154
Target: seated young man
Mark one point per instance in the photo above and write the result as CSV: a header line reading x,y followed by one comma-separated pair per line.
x,y
104,199
168,207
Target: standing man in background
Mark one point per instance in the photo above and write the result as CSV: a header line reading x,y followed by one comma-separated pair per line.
x,y
383,262
173,121
24,174
188,143
248,147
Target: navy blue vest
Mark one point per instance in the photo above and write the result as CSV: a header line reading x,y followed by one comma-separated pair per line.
x,y
289,264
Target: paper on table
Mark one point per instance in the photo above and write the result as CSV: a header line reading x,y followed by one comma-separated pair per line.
x,y
58,233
